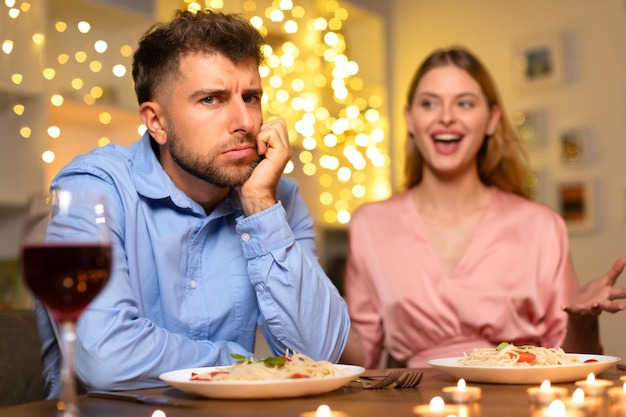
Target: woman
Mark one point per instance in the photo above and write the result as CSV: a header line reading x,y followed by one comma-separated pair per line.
x,y
462,259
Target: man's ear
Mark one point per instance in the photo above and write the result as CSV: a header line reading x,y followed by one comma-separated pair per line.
x,y
151,115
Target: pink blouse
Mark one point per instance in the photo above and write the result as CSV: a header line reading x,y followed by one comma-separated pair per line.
x,y
509,286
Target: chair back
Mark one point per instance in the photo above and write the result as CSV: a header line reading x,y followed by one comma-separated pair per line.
x,y
20,360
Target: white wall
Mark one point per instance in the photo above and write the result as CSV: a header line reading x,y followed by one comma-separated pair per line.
x,y
593,97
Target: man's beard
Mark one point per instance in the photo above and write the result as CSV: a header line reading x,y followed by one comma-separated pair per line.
x,y
205,167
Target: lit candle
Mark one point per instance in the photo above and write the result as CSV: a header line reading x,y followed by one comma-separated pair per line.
x,y
541,397
617,396
436,408
557,408
619,411
594,387
324,411
588,406
461,393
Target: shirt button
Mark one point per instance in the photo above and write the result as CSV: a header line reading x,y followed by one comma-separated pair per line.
x,y
193,284
260,288
245,237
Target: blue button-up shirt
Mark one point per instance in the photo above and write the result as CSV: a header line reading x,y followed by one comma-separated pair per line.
x,y
187,288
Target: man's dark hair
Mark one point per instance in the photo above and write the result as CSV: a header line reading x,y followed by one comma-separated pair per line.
x,y
160,48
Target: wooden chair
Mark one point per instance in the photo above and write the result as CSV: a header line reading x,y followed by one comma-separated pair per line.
x,y
20,362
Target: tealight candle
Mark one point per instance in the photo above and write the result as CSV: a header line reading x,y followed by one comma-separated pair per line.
x,y
461,393
594,387
436,408
619,411
617,396
588,406
324,411
557,409
543,395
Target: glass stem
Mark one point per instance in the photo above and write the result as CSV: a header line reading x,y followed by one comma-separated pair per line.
x,y
69,407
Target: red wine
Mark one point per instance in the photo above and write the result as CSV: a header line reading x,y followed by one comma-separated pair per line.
x,y
66,277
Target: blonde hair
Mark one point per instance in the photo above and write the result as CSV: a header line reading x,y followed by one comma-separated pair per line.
x,y
501,159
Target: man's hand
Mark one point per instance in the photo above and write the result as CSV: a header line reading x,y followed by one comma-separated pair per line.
x,y
258,193
599,295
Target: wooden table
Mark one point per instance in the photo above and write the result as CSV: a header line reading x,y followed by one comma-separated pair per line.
x,y
497,401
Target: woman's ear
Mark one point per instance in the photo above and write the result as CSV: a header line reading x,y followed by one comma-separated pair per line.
x,y
150,115
408,120
494,119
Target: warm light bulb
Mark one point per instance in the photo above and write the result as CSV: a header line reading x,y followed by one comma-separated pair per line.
x,y
84,27
7,46
100,46
56,100
60,26
38,38
48,157
25,132
54,132
119,70
18,109
105,118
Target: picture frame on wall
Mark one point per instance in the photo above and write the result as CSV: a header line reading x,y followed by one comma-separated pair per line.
x,y
574,147
575,201
539,61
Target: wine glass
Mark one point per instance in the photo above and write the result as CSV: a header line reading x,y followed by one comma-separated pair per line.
x,y
66,262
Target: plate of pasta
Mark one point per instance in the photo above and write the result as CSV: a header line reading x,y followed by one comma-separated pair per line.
x,y
274,377
510,364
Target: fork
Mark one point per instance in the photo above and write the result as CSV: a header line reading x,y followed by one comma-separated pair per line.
x,y
389,379
409,379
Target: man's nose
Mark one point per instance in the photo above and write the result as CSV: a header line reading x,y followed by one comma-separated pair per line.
x,y
242,118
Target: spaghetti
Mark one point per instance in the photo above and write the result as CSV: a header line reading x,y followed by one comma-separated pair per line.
x,y
507,354
281,367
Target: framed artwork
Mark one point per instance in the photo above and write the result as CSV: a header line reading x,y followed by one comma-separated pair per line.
x,y
539,61
530,126
574,147
576,204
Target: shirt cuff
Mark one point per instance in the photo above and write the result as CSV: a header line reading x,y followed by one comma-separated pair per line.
x,y
264,232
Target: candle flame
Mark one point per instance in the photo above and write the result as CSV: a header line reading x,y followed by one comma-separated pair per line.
x,y
158,413
437,404
624,388
545,386
556,409
591,378
323,411
461,385
578,396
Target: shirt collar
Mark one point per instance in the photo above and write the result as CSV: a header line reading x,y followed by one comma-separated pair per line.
x,y
152,181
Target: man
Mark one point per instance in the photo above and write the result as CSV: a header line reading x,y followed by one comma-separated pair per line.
x,y
209,240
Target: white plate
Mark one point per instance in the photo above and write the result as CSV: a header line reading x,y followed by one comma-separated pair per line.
x,y
526,374
242,390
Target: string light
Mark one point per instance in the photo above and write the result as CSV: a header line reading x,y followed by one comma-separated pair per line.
x,y
338,133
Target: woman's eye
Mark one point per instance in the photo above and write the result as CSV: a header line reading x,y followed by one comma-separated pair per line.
x,y
466,104
427,104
